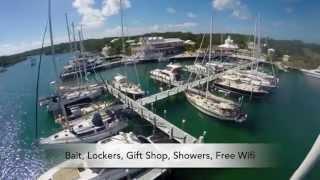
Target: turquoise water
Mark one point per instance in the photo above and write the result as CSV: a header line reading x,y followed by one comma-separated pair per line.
x,y
289,117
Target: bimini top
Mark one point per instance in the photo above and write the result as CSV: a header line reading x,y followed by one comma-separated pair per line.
x,y
174,66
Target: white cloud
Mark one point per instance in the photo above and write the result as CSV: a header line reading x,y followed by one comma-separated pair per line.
x,y
191,15
184,25
171,10
112,7
237,8
90,17
93,17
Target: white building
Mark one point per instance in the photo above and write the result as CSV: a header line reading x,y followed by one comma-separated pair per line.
x,y
156,47
189,42
228,44
285,58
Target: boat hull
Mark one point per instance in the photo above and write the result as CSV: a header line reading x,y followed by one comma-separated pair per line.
x,y
212,114
240,91
90,138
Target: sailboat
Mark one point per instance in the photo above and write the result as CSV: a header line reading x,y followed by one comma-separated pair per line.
x,y
84,61
249,82
82,93
120,81
213,105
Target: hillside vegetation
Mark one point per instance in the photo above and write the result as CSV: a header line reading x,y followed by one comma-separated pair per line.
x,y
302,55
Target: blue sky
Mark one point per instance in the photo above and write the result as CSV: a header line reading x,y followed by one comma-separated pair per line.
x,y
22,22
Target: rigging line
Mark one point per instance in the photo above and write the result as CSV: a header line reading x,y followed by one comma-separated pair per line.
x,y
197,57
38,77
69,34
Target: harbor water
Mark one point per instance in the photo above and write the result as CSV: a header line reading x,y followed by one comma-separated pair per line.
x,y
289,117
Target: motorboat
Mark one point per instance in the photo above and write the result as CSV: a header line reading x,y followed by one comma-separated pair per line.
x,y
59,172
169,74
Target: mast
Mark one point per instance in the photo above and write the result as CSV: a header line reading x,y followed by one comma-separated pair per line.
x,y
74,37
68,30
254,42
80,42
81,52
82,37
210,52
55,65
259,40
122,31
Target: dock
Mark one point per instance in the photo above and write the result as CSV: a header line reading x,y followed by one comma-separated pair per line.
x,y
162,124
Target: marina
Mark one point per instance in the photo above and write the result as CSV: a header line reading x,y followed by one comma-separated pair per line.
x,y
261,117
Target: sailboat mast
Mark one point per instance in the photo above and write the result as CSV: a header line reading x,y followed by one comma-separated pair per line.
x,y
55,65
51,41
210,52
122,31
258,55
80,42
210,45
68,30
82,37
74,37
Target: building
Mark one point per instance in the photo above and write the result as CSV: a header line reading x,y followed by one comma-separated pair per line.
x,y
285,58
157,47
228,45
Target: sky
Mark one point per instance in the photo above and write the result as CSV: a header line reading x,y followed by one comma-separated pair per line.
x,y
23,22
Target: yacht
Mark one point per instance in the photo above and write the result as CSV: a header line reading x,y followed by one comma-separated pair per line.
x,y
267,79
312,73
258,80
216,106
71,97
197,68
218,67
59,172
88,131
82,64
169,74
234,83
121,83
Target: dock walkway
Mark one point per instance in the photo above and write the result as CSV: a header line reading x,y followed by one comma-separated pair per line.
x,y
162,124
